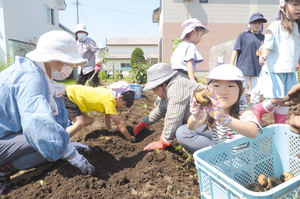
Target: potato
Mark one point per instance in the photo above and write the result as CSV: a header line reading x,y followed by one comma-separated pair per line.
x,y
286,176
255,187
275,181
269,186
201,96
262,180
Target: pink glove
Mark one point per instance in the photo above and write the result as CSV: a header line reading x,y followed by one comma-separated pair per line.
x,y
97,68
216,110
198,111
139,127
161,144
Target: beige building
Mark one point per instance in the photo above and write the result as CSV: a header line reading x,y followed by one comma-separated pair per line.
x,y
225,19
120,49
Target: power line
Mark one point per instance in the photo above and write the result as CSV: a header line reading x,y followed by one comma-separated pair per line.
x,y
103,8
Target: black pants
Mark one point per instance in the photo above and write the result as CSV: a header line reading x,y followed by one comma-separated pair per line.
x,y
81,78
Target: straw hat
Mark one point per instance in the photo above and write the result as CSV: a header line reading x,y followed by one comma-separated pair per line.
x,y
57,45
158,74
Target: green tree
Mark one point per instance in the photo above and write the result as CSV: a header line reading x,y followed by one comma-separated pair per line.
x,y
104,57
137,55
138,73
176,42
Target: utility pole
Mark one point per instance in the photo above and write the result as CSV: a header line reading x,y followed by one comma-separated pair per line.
x,y
77,11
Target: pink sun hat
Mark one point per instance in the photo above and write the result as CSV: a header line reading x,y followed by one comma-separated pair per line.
x,y
189,25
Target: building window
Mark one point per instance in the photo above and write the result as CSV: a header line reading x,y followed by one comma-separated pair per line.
x,y
49,14
125,66
203,1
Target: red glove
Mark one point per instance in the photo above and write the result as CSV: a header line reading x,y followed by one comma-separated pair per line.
x,y
97,68
139,127
161,144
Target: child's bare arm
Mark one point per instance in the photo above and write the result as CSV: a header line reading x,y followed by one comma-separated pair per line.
x,y
190,69
107,122
122,128
248,129
233,56
194,124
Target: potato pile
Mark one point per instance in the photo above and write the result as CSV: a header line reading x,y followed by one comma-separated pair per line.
x,y
201,96
265,184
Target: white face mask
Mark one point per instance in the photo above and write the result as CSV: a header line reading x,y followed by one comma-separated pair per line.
x,y
63,74
81,36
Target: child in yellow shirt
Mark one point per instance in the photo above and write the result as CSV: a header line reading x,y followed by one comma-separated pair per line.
x,y
84,103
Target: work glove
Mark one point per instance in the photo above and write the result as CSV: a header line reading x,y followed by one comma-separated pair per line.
x,y
139,127
82,146
82,163
97,68
216,110
198,111
161,144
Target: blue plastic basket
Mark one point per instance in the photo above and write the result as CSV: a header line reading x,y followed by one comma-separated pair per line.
x,y
138,89
224,174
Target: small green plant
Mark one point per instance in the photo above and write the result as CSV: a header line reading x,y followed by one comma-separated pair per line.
x,y
138,73
116,75
144,105
157,150
102,75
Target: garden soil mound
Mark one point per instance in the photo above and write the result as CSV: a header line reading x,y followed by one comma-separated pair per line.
x,y
123,169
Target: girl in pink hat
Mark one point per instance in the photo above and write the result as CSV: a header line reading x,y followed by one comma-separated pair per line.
x,y
279,59
186,56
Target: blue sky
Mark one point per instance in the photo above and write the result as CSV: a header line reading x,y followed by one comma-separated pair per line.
x,y
112,18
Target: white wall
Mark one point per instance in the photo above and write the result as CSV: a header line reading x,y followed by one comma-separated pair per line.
x,y
3,50
24,20
129,49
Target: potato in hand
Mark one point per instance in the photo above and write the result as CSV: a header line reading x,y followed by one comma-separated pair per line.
x,y
201,96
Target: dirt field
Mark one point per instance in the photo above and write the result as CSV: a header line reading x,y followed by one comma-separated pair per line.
x,y
123,169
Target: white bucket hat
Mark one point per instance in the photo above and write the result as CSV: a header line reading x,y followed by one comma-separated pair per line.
x,y
81,27
225,72
189,25
158,74
57,45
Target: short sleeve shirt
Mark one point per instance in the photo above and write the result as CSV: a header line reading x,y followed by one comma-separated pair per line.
x,y
247,44
86,49
94,102
284,49
184,52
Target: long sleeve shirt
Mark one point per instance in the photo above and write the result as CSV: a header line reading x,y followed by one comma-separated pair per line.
x,y
175,107
25,108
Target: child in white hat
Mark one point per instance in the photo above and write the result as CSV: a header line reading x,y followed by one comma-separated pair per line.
x,y
84,103
226,115
186,56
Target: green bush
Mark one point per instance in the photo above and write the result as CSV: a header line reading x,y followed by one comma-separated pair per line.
x,y
176,42
137,55
138,73
102,75
116,75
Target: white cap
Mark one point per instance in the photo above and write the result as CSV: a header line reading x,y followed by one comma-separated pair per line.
x,y
226,72
81,27
189,25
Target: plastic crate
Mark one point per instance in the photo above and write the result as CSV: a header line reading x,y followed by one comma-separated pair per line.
x,y
138,89
224,174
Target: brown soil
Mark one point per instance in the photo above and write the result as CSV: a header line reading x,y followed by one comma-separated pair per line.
x,y
123,169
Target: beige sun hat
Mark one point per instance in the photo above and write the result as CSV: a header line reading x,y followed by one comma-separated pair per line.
x,y
57,45
81,27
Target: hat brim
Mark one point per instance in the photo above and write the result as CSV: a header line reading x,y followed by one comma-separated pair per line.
x,y
71,58
151,85
208,79
188,30
263,19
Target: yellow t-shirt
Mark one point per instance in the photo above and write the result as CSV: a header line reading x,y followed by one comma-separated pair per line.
x,y
94,102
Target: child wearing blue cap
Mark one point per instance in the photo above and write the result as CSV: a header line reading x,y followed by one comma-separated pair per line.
x,y
247,52
186,56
